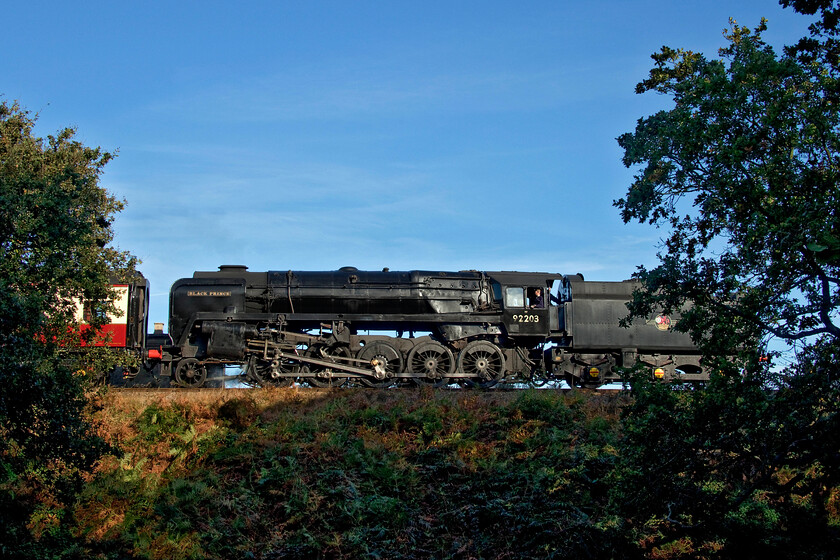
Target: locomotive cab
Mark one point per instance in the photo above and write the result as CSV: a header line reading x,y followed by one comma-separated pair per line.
x,y
528,309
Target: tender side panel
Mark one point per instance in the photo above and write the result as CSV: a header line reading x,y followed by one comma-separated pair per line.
x,y
593,315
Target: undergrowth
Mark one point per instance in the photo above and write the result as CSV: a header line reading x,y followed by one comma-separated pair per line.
x,y
349,474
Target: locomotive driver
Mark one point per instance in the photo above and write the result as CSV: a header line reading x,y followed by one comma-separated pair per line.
x,y
537,301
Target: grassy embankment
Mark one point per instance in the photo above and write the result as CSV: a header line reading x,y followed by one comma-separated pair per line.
x,y
350,473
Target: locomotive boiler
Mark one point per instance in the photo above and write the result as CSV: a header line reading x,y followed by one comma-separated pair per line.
x,y
382,328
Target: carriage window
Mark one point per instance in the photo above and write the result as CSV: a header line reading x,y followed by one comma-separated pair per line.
x,y
514,297
89,313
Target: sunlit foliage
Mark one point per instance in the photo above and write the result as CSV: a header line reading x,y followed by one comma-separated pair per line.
x,y
55,230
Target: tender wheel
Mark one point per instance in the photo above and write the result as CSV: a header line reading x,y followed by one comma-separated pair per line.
x,y
483,360
268,374
323,376
190,373
385,359
537,377
434,361
537,382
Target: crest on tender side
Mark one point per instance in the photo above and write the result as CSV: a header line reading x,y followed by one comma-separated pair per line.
x,y
662,322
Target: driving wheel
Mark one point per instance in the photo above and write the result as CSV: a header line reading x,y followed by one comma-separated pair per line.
x,y
385,360
321,375
270,374
483,361
433,361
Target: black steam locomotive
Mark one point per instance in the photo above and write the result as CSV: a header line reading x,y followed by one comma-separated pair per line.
x,y
382,328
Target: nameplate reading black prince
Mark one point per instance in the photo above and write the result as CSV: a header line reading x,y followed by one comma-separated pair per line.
x,y
197,293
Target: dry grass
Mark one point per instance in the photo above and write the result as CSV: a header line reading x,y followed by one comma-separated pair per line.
x,y
288,472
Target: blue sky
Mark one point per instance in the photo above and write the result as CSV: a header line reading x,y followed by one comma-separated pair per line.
x,y
314,135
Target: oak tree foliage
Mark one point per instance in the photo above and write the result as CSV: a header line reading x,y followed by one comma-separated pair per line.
x,y
822,45
55,231
741,174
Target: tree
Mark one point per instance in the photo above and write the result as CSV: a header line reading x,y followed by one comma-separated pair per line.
x,y
734,470
753,139
55,227
742,175
823,44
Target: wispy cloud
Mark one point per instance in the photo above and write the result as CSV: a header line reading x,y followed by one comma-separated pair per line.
x,y
359,92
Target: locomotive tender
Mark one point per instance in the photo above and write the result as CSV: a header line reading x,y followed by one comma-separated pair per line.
x,y
380,328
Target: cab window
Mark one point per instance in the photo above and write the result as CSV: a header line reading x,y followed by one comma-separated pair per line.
x,y
514,297
536,298
497,291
